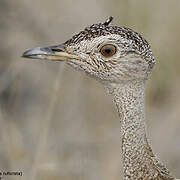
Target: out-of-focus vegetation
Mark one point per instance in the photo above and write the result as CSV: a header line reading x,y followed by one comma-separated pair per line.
x,y
57,123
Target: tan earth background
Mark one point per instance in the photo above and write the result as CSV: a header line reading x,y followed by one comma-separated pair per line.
x,y
57,123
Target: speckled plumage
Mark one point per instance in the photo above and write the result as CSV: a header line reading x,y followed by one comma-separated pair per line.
x,y
139,162
124,75
126,81
138,43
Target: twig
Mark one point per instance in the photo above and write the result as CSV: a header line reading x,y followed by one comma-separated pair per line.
x,y
42,142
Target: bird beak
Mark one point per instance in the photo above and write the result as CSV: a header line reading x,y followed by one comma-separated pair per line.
x,y
56,53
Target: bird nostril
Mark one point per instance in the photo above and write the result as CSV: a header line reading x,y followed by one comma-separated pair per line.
x,y
56,50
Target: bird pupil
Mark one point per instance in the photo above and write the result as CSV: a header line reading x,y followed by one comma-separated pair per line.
x,y
107,50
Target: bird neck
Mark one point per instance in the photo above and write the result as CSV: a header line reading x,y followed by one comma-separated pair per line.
x,y
139,161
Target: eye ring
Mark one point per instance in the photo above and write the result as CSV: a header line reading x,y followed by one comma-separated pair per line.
x,y
108,50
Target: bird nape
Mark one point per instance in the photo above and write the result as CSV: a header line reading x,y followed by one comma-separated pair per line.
x,y
122,60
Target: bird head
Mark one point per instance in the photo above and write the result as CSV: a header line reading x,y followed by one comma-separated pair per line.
x,y
106,52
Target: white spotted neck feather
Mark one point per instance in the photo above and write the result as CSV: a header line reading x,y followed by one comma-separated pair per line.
x,y
139,162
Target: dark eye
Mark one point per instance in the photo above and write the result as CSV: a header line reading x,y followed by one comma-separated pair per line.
x,y
108,50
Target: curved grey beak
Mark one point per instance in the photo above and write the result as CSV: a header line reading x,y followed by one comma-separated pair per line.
x,y
56,53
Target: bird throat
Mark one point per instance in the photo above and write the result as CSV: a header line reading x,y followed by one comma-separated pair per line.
x,y
139,162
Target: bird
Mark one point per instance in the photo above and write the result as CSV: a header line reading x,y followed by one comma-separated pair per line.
x,y
122,61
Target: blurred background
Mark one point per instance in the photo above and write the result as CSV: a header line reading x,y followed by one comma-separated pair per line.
x,y
57,123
